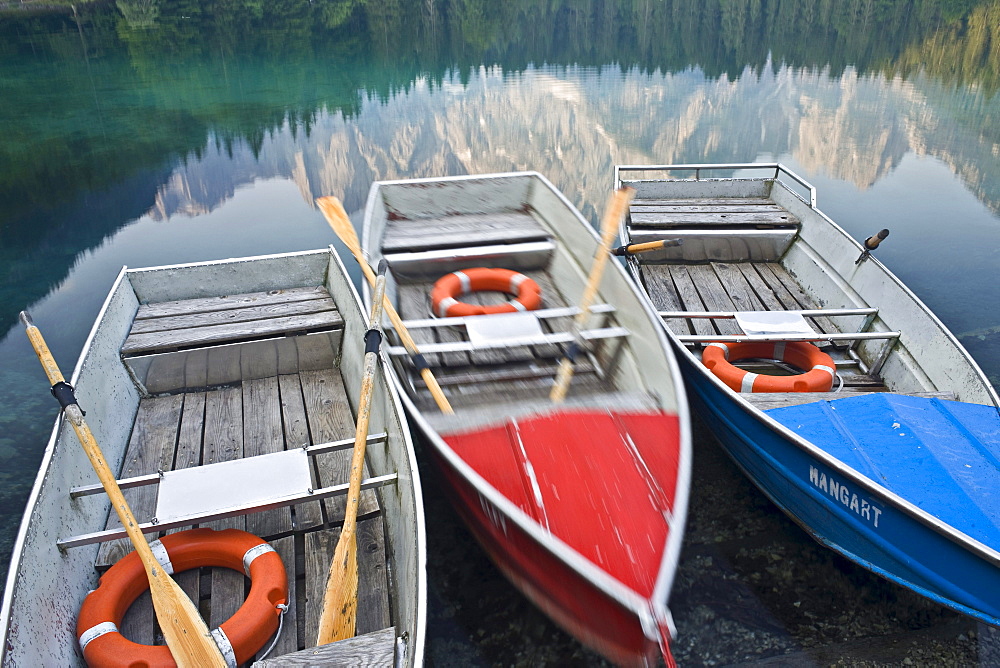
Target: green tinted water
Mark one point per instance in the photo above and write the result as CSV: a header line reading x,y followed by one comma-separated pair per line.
x,y
145,132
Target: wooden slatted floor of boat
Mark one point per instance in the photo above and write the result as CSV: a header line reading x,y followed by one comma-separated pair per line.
x,y
735,286
252,417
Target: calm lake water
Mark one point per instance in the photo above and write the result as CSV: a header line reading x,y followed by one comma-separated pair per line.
x,y
148,132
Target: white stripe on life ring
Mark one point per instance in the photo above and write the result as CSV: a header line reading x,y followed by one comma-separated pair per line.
x,y
826,368
162,556
444,305
515,282
779,351
725,348
253,553
466,282
747,384
517,305
226,647
95,632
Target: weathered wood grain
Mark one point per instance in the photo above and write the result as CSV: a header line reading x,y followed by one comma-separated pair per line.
x,y
210,304
151,448
460,230
263,434
372,650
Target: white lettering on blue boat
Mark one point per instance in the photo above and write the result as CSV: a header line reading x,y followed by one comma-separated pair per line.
x,y
839,491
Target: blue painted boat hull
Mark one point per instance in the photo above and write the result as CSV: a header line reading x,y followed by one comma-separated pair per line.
x,y
847,511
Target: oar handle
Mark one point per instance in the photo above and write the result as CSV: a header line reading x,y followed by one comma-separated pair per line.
x,y
632,249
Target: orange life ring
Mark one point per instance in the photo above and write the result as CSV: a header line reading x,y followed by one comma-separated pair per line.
x,y
449,286
239,637
819,367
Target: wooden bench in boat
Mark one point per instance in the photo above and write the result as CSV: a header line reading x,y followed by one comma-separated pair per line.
x,y
170,326
727,229
277,397
460,231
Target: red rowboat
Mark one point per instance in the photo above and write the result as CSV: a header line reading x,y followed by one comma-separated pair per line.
x,y
580,501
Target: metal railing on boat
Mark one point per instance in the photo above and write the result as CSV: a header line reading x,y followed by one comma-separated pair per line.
x,y
187,496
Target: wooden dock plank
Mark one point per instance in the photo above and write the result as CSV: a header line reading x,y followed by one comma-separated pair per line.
x,y
296,426
144,344
209,304
231,316
331,418
369,650
151,448
409,235
263,434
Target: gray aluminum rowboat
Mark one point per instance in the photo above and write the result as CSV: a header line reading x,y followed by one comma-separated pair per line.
x,y
218,374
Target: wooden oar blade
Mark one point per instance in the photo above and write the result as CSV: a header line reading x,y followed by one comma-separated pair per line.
x,y
188,638
338,219
340,604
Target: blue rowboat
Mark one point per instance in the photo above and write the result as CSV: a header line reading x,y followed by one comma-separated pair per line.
x,y
894,460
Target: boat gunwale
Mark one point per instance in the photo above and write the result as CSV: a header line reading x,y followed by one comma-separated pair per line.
x,y
17,550
656,604
988,553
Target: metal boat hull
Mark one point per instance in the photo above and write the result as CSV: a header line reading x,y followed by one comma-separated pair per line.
x,y
835,506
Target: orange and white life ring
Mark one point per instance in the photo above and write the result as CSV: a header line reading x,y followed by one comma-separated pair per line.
x,y
239,638
820,369
446,289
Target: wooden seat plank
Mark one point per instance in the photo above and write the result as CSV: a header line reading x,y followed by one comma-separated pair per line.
x,y
408,235
744,205
139,344
668,219
769,400
211,304
231,316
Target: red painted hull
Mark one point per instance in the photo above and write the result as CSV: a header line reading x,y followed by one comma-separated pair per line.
x,y
605,486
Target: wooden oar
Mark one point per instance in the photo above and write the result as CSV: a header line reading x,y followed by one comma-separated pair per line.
x,y
632,249
340,603
612,216
335,215
186,633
